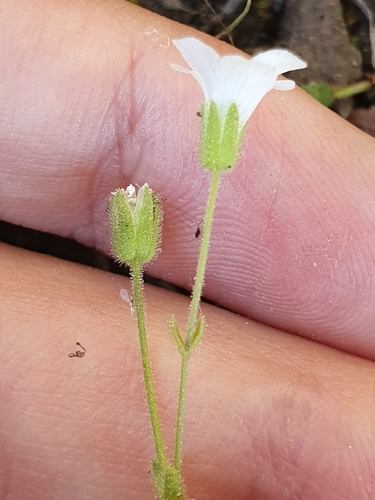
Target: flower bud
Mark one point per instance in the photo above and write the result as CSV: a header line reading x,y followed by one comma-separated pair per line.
x,y
135,221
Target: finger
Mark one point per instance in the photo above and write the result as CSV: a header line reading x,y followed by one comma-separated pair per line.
x,y
92,104
269,415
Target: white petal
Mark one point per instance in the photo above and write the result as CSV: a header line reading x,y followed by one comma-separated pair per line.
x,y
202,60
236,79
281,60
180,69
196,53
284,85
124,295
230,74
130,190
251,86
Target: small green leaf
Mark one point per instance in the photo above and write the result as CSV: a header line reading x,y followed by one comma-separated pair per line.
x,y
158,474
197,335
168,482
174,488
177,337
321,92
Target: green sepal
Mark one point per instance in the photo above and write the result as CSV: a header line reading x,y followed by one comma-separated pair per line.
x,y
220,142
147,220
210,136
124,242
230,143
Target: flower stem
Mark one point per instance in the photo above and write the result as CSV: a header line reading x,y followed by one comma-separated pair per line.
x,y
236,22
193,316
137,284
351,90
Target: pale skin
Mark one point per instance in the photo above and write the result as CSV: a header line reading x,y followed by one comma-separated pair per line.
x,y
89,104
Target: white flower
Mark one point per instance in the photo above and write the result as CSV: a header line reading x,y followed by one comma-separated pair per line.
x,y
233,86
236,79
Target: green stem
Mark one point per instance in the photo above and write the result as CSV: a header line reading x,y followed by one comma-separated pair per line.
x,y
137,284
202,261
350,90
193,315
237,21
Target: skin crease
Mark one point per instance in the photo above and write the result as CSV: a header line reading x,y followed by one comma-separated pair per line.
x,y
88,104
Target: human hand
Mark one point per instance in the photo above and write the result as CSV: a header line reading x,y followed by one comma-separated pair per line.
x,y
90,104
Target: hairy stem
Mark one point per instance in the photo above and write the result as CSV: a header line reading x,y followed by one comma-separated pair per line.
x,y
193,316
137,284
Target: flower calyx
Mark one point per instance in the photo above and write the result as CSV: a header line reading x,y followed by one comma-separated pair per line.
x,y
135,221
